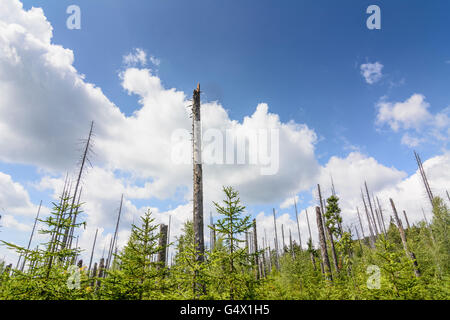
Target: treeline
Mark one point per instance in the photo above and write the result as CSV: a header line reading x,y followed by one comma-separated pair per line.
x,y
395,262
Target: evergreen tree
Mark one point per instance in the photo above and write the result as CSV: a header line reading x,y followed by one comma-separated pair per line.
x,y
230,227
139,276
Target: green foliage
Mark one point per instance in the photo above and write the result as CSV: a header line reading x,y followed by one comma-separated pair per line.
x,y
138,277
228,271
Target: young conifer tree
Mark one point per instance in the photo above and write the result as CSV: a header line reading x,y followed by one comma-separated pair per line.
x,y
138,276
230,227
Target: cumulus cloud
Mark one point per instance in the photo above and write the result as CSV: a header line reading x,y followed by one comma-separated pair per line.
x,y
413,115
372,72
14,199
410,114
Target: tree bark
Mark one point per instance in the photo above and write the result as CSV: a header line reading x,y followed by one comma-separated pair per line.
x,y
199,242
404,242
323,246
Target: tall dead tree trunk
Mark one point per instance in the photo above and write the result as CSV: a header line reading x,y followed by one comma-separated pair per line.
x,y
162,257
298,225
323,246
424,178
282,236
404,242
31,236
371,210
406,219
255,245
360,224
168,241
381,215
114,239
372,236
322,211
199,241
313,260
277,263
92,252
83,161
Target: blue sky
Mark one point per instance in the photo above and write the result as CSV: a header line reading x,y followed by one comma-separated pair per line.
x,y
302,58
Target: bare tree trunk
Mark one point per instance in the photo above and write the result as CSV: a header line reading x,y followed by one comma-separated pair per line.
x,y
255,244
360,224
111,248
92,252
313,260
322,211
83,161
381,215
199,242
31,237
298,225
371,210
372,236
168,241
333,250
282,236
277,263
404,242
323,246
406,218
162,257
424,178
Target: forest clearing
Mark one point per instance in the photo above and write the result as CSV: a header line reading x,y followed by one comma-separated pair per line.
x,y
383,257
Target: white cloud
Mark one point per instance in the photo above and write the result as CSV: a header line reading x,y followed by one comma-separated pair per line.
x,y
289,202
14,199
372,72
413,114
411,141
136,58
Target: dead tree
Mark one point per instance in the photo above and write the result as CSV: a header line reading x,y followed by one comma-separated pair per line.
x,y
31,236
360,223
255,244
83,161
322,211
372,236
277,263
162,244
282,236
406,219
404,242
92,252
298,225
381,215
371,209
114,239
199,241
168,241
311,254
424,178
323,246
